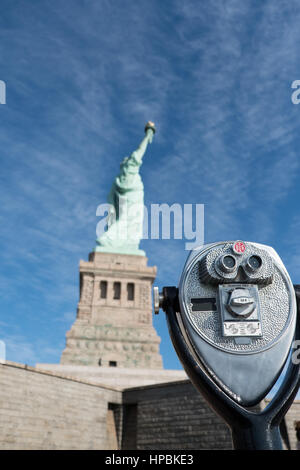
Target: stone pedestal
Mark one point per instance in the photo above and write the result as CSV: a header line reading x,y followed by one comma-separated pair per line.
x,y
114,327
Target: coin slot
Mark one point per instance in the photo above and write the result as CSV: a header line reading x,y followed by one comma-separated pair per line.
x,y
204,304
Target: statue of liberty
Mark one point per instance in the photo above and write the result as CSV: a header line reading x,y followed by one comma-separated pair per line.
x,y
126,205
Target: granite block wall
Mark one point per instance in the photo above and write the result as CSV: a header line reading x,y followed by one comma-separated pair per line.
x,y
44,411
172,416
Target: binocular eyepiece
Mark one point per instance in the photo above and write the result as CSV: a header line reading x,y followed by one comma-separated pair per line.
x,y
226,264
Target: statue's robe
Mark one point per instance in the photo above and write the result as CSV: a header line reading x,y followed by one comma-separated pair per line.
x,y
126,200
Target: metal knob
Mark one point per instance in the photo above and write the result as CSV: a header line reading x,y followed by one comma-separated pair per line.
x,y
241,303
157,299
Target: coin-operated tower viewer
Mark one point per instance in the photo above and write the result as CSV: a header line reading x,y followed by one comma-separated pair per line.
x,y
233,322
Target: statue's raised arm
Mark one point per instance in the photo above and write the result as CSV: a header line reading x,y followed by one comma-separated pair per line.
x,y
149,131
126,204
132,164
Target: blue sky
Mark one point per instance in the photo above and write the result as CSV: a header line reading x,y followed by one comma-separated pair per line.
x,y
82,78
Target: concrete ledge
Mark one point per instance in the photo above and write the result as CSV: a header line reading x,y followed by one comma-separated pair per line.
x,y
57,373
116,377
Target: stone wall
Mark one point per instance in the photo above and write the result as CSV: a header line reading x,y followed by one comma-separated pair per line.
x,y
171,416
176,416
292,416
43,411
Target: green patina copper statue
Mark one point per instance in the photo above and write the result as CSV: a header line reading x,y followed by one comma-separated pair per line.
x,y
126,205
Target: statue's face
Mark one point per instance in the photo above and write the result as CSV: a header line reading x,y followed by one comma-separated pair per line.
x,y
123,166
123,162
